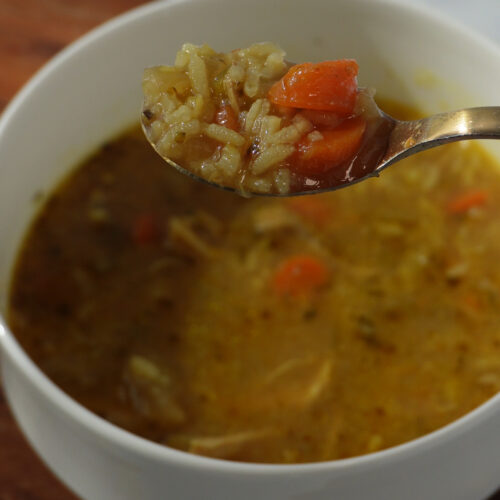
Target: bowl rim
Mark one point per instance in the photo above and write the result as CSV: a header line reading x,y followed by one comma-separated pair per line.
x,y
138,446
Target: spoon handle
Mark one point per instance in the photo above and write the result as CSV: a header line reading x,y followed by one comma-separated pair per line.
x,y
410,137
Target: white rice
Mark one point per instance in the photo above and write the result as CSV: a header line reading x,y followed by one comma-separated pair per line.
x,y
182,101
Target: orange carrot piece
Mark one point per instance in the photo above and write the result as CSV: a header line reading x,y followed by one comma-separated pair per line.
x,y
311,208
144,229
226,117
325,86
465,201
335,148
322,119
471,302
300,275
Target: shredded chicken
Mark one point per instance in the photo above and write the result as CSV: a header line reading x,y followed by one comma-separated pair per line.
x,y
150,390
319,383
299,382
273,218
190,233
226,446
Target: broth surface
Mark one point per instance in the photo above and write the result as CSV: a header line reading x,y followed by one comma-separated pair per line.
x,y
149,298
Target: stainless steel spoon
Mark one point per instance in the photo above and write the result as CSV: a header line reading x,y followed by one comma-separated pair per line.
x,y
403,139
410,137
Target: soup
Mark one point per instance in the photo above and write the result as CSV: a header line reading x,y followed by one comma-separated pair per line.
x,y
267,330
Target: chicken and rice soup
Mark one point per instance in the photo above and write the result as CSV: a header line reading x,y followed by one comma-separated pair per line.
x,y
275,330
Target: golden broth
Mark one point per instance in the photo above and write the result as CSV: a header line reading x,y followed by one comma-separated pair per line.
x,y
174,309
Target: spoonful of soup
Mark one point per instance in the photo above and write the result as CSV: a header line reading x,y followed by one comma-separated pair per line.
x,y
251,122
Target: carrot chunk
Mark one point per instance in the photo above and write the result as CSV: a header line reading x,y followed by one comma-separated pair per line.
x,y
335,148
470,302
300,275
325,86
144,229
311,208
322,119
465,201
226,117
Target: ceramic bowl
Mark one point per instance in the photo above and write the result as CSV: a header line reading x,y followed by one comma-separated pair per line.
x,y
91,92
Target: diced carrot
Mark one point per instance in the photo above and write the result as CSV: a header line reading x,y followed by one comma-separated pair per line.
x,y
322,119
471,302
311,208
325,86
226,117
144,229
300,275
465,201
335,148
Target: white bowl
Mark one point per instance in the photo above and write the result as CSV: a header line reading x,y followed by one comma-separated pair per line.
x,y
89,93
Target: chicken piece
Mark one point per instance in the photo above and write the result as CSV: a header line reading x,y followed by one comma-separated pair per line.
x,y
195,234
229,445
151,392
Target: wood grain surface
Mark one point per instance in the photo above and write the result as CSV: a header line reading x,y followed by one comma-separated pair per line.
x,y
31,32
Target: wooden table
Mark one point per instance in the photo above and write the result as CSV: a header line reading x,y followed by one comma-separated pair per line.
x,y
31,32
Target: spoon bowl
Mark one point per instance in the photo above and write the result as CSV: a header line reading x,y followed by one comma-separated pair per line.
x,y
397,139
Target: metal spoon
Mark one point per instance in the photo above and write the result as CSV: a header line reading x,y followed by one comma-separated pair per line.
x,y
400,140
